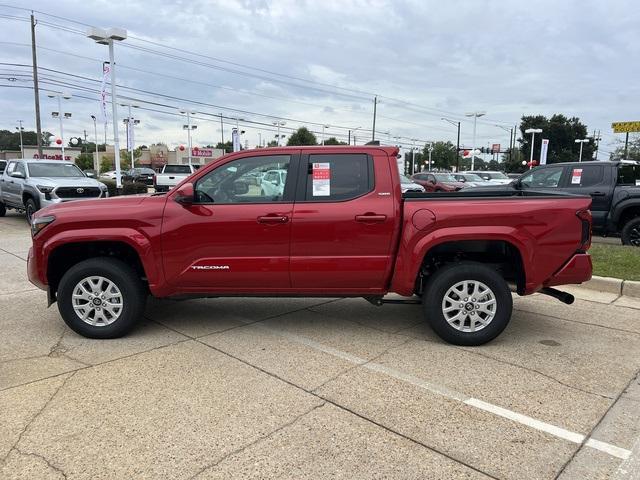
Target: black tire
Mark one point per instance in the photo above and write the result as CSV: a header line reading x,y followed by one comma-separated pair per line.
x,y
30,207
133,294
3,210
448,277
631,232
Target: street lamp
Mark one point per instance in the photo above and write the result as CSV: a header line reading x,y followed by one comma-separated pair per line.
x,y
323,127
60,115
188,127
108,37
430,150
581,142
20,129
475,116
95,136
533,132
455,124
413,155
130,122
279,124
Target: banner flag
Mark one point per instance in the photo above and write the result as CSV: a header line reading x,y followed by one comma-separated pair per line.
x,y
235,138
543,151
106,72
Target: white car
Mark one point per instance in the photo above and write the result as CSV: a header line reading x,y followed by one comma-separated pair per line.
x,y
495,177
472,180
408,185
111,175
272,183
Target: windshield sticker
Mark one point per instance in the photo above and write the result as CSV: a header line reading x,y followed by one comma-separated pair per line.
x,y
321,179
576,176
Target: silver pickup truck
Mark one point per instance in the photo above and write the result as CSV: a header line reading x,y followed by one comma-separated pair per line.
x,y
29,185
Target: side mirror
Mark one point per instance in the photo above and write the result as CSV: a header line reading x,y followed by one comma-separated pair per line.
x,y
240,188
184,196
15,174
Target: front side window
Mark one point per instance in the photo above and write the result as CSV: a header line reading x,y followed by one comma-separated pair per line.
x,y
338,177
246,180
542,178
11,167
629,175
20,168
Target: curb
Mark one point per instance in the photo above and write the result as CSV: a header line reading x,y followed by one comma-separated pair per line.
x,y
617,286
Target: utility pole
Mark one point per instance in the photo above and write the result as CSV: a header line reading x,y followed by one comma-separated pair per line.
x,y
626,145
596,139
222,131
375,106
36,90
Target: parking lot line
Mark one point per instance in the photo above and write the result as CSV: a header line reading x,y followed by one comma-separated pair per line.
x,y
530,422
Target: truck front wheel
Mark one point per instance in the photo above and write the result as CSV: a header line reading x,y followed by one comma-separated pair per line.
x,y
631,232
101,298
467,303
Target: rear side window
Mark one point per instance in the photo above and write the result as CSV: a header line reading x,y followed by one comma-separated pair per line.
x,y
338,177
176,169
11,167
586,176
629,175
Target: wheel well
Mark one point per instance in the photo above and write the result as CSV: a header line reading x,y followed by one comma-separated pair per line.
x,y
628,214
28,195
504,257
68,255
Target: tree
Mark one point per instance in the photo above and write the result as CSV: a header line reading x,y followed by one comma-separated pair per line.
x,y
443,155
561,133
226,146
272,143
106,164
633,149
85,161
302,136
11,140
333,141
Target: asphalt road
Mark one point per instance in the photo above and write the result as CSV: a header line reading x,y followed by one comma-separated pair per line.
x,y
319,388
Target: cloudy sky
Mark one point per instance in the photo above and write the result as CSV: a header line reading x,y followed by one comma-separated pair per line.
x,y
322,62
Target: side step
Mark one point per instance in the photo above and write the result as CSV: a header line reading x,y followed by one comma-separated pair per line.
x,y
379,301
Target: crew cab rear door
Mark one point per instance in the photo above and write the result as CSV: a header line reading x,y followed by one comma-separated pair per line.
x,y
344,221
595,180
236,235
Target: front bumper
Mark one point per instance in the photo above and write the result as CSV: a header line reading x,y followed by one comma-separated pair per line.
x,y
33,273
577,270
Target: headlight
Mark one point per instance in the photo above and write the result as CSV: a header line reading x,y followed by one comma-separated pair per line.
x,y
45,189
38,223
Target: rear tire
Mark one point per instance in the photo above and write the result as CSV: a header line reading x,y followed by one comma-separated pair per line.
x,y
631,232
106,292
30,208
467,303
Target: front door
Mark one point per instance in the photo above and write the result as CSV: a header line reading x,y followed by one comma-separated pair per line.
x,y
343,223
235,237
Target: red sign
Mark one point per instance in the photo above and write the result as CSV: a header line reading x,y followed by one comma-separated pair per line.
x,y
52,157
201,152
495,148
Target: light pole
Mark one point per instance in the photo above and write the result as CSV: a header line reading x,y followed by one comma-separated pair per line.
x,y
475,116
413,155
221,130
323,127
60,115
533,132
354,134
511,146
455,124
108,37
581,141
430,150
188,127
95,136
279,124
20,129
130,122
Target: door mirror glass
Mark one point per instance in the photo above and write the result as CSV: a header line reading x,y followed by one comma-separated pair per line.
x,y
184,196
240,187
17,174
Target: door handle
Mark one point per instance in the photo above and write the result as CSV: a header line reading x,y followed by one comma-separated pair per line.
x,y
598,194
371,218
273,219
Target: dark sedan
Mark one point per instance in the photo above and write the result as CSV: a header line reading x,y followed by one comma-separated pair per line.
x,y
141,174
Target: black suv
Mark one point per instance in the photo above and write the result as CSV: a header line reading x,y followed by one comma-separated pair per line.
x,y
613,186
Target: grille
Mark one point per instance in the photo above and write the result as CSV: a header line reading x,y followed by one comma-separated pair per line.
x,y
78,192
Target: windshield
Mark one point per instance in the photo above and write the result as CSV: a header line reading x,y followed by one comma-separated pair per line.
x,y
54,170
472,177
445,177
497,175
176,169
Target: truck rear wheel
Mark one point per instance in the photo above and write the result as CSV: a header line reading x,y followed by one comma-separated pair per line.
x,y
467,303
631,232
101,298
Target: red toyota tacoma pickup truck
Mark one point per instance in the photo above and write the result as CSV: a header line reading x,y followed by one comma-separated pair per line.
x,y
310,221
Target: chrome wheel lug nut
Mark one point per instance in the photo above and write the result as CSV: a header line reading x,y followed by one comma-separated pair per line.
x,y
466,299
461,305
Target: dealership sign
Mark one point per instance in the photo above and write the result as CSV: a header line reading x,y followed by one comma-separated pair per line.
x,y
51,157
201,152
625,127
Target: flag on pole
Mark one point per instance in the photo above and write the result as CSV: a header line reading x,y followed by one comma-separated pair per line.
x,y
543,151
106,71
235,137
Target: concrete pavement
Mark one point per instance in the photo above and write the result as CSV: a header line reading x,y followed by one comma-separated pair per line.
x,y
313,388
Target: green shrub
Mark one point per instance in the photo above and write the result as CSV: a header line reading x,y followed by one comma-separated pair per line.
x,y
128,188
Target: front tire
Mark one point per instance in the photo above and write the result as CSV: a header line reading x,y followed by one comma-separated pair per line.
x,y
101,298
631,232
30,208
467,303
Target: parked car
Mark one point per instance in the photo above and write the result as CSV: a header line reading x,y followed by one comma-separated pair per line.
x,y
140,174
29,185
514,176
437,182
498,178
341,229
471,179
171,175
613,186
408,185
272,183
110,175
90,173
